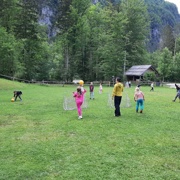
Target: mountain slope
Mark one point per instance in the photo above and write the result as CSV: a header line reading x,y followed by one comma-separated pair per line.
x,y
161,13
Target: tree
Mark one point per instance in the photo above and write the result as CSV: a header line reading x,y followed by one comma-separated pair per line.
x,y
154,58
165,63
177,46
57,62
176,69
27,20
9,53
63,19
8,11
26,30
168,39
112,52
136,30
72,23
149,76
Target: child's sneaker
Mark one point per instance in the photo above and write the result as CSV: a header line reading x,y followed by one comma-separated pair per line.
x,y
80,117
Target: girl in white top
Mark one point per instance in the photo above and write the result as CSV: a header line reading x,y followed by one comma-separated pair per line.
x,y
139,98
152,86
100,88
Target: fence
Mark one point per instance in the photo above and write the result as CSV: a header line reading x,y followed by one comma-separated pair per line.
x,y
31,81
104,83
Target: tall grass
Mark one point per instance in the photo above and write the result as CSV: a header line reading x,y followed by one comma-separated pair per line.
x,y
40,140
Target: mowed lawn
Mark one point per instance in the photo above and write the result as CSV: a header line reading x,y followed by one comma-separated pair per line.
x,y
40,140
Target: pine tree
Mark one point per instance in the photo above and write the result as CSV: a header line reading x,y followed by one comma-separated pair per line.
x,y
26,29
9,53
136,30
8,11
168,39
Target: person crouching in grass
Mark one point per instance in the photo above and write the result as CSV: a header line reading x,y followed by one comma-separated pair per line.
x,y
17,94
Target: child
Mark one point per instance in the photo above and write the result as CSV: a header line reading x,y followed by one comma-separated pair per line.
x,y
91,89
152,86
100,88
139,98
127,84
79,98
178,93
17,94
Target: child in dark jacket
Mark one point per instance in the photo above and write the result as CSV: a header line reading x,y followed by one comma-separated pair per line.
x,y
178,93
91,89
17,94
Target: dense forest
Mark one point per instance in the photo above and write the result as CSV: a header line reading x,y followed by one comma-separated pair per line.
x,y
60,40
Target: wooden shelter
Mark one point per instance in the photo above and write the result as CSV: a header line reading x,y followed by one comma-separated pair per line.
x,y
137,72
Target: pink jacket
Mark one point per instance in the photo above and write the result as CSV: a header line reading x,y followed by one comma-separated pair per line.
x,y
79,97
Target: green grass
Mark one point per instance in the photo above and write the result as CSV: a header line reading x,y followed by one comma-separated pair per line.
x,y
39,140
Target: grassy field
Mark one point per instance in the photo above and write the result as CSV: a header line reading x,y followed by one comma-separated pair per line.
x,y
40,140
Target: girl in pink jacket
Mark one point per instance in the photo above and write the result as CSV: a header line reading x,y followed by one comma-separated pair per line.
x,y
79,98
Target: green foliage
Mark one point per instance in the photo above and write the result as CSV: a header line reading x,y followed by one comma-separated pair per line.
x,y
175,70
8,13
63,19
98,39
149,76
9,53
34,54
154,58
136,30
112,48
165,63
57,63
177,48
168,39
93,41
27,20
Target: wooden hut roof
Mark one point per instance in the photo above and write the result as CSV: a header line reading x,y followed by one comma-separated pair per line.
x,y
139,70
